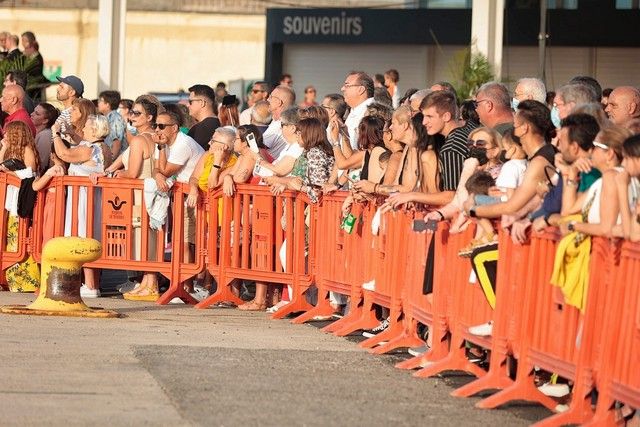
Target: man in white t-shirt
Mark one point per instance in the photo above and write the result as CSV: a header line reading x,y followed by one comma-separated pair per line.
x,y
176,156
281,98
358,94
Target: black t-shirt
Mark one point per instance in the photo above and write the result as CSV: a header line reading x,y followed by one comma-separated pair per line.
x,y
203,131
548,152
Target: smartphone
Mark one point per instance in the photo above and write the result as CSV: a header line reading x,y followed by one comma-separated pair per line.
x,y
253,145
420,225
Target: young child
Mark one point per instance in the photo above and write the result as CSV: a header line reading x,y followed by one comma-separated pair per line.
x,y
479,184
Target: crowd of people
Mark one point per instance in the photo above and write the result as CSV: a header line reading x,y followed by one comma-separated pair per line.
x,y
530,159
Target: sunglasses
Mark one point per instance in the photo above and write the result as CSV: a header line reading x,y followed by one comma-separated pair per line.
x,y
161,126
481,143
257,90
191,101
135,113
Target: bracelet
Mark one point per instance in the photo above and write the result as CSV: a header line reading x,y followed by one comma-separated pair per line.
x,y
571,226
160,147
441,215
545,217
472,212
375,188
217,166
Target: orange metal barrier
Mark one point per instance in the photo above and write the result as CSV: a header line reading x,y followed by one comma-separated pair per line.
x,y
430,309
407,275
252,233
111,204
342,259
619,374
23,237
549,328
513,267
466,306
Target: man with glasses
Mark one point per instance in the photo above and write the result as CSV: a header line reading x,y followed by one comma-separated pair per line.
x,y
176,156
358,94
259,92
280,99
567,98
493,105
204,110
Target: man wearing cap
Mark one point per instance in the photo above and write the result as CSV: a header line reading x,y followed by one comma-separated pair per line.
x,y
69,89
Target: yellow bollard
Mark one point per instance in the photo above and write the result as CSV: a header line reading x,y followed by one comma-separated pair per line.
x,y
62,260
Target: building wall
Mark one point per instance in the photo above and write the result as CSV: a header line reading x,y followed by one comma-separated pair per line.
x,y
170,51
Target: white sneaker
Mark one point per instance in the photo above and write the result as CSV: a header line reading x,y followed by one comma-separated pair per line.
x,y
370,285
176,300
418,351
85,292
483,330
554,390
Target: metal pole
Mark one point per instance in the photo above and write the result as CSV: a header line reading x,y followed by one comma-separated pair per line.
x,y
542,40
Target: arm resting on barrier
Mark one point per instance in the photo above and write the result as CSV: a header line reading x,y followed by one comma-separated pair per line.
x,y
522,195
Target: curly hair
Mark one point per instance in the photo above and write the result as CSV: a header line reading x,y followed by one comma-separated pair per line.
x,y
17,138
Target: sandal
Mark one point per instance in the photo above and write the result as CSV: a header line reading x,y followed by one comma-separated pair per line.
x,y
143,293
253,306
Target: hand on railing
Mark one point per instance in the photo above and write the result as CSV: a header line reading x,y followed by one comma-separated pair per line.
x,y
94,177
192,198
228,187
329,188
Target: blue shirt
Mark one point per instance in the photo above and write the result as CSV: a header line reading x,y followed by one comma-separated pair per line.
x,y
117,129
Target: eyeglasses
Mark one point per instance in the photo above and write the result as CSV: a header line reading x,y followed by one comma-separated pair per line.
x,y
350,85
478,101
135,113
162,126
216,141
480,143
600,145
275,97
288,124
191,101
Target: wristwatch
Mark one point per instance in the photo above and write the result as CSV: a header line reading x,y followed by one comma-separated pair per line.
x,y
571,226
472,212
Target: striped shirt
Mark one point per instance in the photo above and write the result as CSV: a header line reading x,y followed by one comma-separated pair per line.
x,y
452,155
64,119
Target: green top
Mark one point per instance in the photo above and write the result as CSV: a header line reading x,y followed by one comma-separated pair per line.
x,y
587,179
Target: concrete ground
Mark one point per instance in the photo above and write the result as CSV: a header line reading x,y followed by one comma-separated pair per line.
x,y
175,365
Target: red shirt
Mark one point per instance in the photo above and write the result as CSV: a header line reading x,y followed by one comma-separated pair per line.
x,y
20,115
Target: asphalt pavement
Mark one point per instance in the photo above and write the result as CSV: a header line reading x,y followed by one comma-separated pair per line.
x,y
177,366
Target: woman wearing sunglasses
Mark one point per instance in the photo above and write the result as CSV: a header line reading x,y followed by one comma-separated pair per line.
x,y
597,217
136,162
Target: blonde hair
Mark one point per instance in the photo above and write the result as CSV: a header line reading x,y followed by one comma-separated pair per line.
x,y
613,136
495,138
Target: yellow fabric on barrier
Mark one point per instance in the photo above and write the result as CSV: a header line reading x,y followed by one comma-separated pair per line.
x,y
571,269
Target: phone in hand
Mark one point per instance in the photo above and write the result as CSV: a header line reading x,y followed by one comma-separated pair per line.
x,y
421,225
253,145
